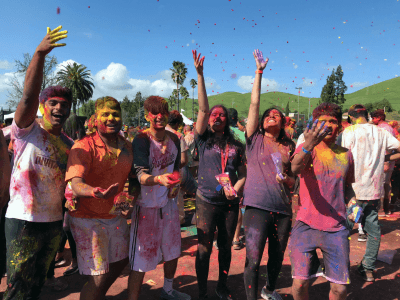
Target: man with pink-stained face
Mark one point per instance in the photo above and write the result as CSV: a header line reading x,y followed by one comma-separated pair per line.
x,y
155,231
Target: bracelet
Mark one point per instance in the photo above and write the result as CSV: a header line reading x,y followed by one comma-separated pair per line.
x,y
306,151
259,71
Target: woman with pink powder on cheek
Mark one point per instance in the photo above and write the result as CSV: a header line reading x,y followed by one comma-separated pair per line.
x,y
220,156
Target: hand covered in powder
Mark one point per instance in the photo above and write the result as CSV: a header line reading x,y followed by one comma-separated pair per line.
x,y
260,62
313,136
168,180
52,36
106,193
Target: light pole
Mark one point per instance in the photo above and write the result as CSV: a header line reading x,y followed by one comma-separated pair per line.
x,y
298,104
232,103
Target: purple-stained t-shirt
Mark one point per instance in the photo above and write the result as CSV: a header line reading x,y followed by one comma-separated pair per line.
x,y
210,166
261,188
322,188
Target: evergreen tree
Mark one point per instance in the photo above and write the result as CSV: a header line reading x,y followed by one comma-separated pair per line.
x,y
328,91
340,87
287,110
334,89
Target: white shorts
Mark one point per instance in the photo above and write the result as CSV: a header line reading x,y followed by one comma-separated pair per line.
x,y
99,242
155,235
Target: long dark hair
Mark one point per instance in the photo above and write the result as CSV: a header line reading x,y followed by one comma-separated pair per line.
x,y
282,133
227,136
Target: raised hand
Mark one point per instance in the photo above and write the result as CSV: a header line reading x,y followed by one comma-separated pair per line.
x,y
261,63
198,62
313,136
106,193
52,36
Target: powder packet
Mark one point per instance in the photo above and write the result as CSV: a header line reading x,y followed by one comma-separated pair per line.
x,y
174,190
226,183
277,159
122,202
70,204
355,211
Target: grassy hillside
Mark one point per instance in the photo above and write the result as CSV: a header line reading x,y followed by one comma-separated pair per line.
x,y
389,89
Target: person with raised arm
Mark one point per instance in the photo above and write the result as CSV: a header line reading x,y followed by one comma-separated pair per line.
x,y
221,178
326,176
267,191
155,230
34,215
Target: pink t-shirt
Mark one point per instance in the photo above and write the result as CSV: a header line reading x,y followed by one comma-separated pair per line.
x,y
322,188
37,178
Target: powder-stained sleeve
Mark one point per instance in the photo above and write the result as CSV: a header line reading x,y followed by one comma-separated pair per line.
x,y
391,142
141,150
19,133
79,160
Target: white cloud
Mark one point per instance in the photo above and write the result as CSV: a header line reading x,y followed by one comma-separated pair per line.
x,y
193,41
5,79
358,84
309,82
398,63
267,85
114,81
6,65
295,66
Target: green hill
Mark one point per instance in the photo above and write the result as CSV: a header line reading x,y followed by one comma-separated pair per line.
x,y
389,89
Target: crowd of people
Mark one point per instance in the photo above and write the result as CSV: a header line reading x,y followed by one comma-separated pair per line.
x,y
68,182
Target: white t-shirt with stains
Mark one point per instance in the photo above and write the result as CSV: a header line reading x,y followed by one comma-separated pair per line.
x,y
37,179
155,158
368,144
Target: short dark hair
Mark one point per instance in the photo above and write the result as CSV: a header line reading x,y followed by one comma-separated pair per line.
x,y
282,133
379,113
156,105
55,91
328,109
357,111
233,117
175,118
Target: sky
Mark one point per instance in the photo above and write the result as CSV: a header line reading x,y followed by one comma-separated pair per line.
x,y
129,46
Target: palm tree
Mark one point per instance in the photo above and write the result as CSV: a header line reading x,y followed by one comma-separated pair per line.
x,y
78,79
178,75
193,84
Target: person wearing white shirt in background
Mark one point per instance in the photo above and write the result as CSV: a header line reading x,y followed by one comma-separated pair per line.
x,y
368,144
378,118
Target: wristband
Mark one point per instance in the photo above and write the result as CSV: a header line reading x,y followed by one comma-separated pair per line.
x,y
259,71
306,151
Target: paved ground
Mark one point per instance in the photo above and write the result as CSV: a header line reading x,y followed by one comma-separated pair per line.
x,y
387,286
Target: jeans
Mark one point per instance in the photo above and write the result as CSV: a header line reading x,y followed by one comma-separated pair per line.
x,y
260,224
209,217
370,224
31,248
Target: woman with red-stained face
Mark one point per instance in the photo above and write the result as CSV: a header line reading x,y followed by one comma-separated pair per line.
x,y
216,207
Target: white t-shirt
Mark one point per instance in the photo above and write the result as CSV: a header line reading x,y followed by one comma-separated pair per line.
x,y
153,158
388,128
368,144
37,179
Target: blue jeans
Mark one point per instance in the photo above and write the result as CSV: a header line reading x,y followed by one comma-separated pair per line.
x,y
370,224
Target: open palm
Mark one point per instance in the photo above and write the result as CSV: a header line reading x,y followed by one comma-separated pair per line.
x,y
261,63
